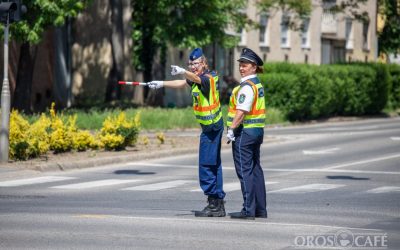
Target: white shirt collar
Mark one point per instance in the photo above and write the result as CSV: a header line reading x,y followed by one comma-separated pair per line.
x,y
247,77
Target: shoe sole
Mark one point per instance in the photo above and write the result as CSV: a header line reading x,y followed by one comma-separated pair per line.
x,y
198,214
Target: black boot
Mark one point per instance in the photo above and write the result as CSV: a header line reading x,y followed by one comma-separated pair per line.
x,y
215,208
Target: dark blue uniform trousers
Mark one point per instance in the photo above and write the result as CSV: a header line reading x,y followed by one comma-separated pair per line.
x,y
210,168
246,156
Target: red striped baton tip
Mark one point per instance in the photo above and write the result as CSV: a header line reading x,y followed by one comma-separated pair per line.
x,y
131,83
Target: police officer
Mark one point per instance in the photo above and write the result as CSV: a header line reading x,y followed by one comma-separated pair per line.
x,y
246,121
207,110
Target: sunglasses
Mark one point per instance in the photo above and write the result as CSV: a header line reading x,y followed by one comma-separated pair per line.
x,y
195,64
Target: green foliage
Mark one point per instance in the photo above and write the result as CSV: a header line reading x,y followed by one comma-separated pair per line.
x,y
389,37
299,9
43,14
181,23
309,92
394,96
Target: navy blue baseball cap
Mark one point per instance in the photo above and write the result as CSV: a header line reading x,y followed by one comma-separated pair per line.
x,y
196,53
250,56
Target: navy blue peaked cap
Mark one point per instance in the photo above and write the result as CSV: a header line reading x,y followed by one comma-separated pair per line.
x,y
250,56
196,53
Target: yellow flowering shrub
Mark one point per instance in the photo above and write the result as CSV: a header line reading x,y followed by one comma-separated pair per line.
x,y
38,137
83,139
60,134
161,138
27,141
119,132
17,136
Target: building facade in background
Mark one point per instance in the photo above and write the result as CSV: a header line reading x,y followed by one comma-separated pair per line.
x,y
324,37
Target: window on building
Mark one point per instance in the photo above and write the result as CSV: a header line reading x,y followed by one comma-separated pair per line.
x,y
365,35
285,34
243,34
349,34
305,33
264,30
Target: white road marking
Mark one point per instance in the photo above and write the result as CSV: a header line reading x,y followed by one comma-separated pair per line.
x,y
385,189
330,171
158,186
93,184
349,128
388,157
31,181
320,152
229,187
307,188
395,138
219,221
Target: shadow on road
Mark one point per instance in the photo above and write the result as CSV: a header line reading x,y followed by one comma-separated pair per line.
x,y
346,177
136,172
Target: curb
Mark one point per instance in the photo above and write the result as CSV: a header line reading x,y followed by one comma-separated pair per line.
x,y
108,160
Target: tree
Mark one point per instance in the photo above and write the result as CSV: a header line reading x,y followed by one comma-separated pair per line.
x,y
113,90
298,8
183,24
302,8
41,15
389,37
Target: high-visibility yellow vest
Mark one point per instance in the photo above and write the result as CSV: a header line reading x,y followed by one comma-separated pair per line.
x,y
207,111
256,117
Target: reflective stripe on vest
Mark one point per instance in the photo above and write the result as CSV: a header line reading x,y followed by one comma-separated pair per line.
x,y
207,110
255,118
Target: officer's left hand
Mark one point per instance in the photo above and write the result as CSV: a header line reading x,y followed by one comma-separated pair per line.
x,y
230,135
176,70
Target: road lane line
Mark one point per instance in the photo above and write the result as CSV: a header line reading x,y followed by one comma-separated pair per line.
x,y
307,188
32,181
261,222
395,138
320,152
93,184
158,186
385,189
388,157
330,171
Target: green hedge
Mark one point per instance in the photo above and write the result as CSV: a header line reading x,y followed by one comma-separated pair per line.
x,y
394,91
308,91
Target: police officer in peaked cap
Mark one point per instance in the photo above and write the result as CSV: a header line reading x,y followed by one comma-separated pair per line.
x,y
246,121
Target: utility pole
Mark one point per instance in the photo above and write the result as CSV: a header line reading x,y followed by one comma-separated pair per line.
x,y
9,12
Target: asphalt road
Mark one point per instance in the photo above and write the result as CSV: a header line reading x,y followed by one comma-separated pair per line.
x,y
330,186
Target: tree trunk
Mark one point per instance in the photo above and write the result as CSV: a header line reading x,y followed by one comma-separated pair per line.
x,y
113,91
23,88
156,98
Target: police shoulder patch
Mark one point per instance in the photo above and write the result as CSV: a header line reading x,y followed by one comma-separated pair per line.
x,y
242,97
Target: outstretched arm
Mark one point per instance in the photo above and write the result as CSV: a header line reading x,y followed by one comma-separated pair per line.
x,y
176,70
176,84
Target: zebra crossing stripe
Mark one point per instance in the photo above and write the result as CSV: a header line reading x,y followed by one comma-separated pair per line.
x,y
307,188
158,186
31,181
385,189
93,184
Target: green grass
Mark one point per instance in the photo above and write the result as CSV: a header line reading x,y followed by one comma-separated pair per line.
x,y
152,118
